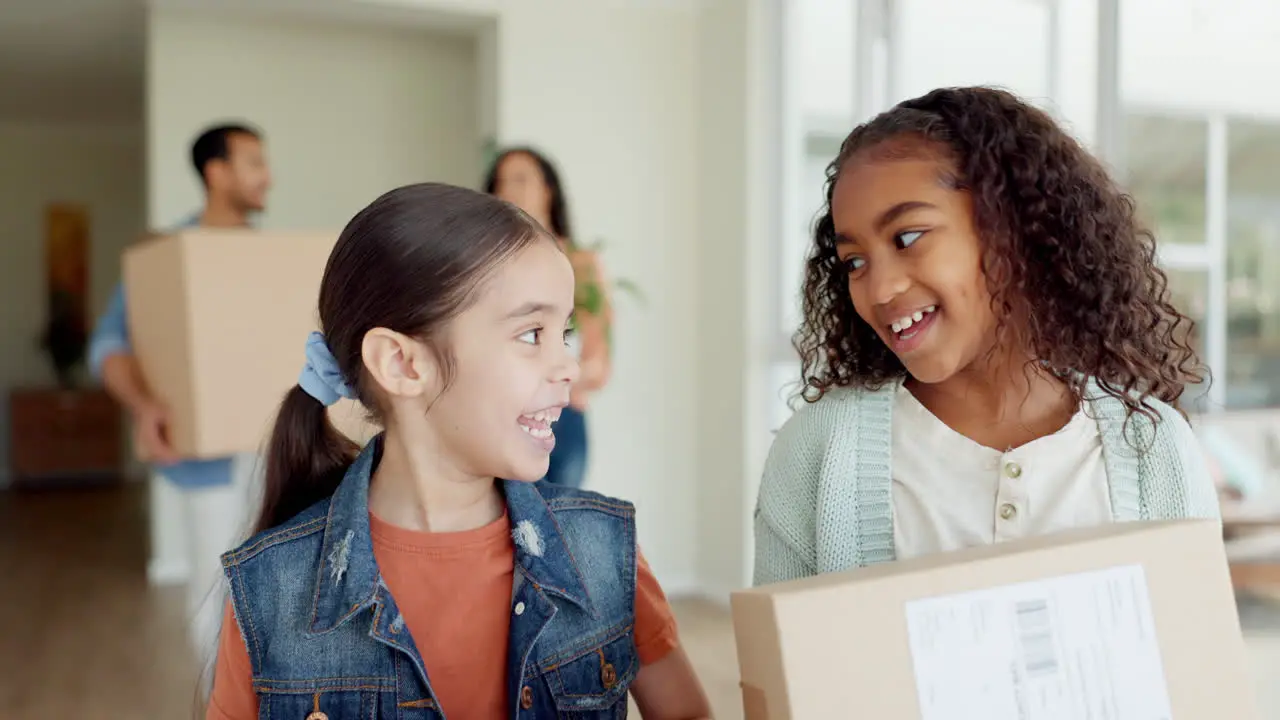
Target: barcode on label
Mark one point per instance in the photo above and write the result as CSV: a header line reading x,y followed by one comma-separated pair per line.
x,y
1035,637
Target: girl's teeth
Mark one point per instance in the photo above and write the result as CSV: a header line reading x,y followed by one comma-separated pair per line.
x,y
906,322
540,423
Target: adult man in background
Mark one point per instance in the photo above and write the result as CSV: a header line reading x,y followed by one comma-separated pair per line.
x,y
232,167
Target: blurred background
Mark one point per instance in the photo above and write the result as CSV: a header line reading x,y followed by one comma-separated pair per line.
x,y
691,136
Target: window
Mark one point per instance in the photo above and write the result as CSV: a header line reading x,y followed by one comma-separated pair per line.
x,y
1190,294
820,53
784,384
1168,163
819,151
1170,166
943,43
820,95
1252,306
1175,173
1202,146
1168,160
1018,45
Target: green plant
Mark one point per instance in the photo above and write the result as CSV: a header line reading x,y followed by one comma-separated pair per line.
x,y
489,150
591,295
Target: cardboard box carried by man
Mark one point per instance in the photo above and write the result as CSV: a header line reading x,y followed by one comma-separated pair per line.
x,y
218,320
1133,621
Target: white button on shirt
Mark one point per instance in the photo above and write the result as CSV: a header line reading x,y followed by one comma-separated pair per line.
x,y
949,492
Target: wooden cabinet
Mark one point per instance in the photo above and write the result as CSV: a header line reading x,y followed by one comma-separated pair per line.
x,y
63,434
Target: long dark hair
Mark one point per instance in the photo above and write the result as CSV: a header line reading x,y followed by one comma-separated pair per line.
x,y
1064,255
559,204
410,262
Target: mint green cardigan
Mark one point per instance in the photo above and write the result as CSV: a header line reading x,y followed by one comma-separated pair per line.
x,y
826,500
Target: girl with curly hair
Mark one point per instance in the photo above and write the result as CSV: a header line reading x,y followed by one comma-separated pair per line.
x,y
988,349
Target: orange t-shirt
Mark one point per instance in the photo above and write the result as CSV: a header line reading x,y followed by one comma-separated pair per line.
x,y
436,577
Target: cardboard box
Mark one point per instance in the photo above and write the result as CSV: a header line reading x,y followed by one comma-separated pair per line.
x,y
218,320
1133,621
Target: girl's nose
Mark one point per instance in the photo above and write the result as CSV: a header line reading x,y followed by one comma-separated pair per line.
x,y
566,369
887,279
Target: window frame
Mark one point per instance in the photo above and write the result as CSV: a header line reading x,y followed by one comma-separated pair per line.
x,y
800,132
1212,256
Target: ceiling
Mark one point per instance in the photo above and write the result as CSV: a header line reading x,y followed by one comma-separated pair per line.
x,y
71,60
85,60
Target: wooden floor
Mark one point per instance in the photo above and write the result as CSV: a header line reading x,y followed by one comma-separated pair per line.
x,y
82,635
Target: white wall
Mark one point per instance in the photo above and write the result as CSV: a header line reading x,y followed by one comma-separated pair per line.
x,y
739,121
349,112
100,167
721,349
610,90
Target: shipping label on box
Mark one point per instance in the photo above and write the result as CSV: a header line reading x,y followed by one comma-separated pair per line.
x,y
1076,646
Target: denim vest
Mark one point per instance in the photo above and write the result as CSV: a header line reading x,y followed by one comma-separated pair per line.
x,y
324,633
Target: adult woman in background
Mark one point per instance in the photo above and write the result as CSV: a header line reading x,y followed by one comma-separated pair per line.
x,y
527,179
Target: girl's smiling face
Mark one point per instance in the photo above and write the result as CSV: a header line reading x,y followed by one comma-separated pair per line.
x,y
907,239
514,370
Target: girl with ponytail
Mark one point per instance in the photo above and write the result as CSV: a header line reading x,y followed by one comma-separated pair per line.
x,y
428,573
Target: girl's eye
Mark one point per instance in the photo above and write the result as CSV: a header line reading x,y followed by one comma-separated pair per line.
x,y
531,336
907,238
568,335
854,263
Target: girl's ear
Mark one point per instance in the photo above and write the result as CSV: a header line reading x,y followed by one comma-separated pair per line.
x,y
400,365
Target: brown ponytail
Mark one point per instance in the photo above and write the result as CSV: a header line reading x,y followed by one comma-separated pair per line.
x,y
306,459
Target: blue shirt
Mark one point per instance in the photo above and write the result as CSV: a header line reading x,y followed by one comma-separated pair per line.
x,y
111,337
324,633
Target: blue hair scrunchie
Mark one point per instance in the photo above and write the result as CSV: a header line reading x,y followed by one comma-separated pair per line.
x,y
321,377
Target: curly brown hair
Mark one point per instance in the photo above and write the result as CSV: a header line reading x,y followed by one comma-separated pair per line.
x,y
1063,254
